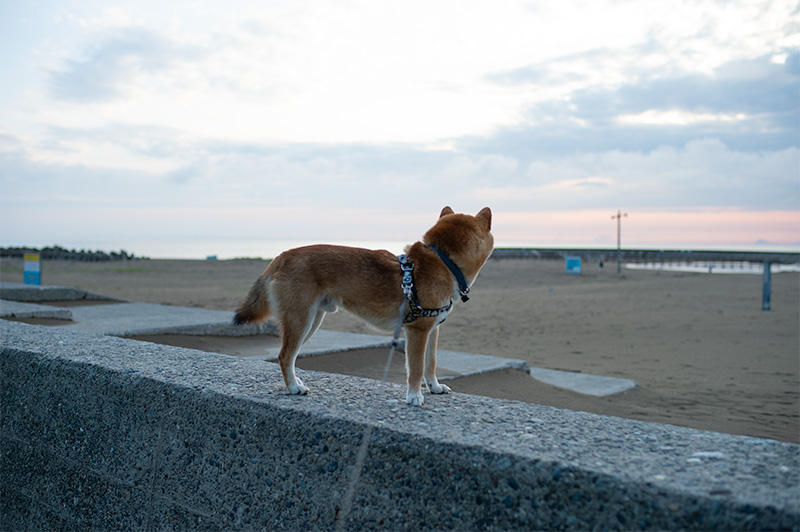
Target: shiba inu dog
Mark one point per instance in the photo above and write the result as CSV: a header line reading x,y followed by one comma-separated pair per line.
x,y
415,290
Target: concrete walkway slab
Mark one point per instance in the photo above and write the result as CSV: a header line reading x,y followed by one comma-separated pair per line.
x,y
29,292
132,319
595,385
139,319
325,342
18,309
474,364
458,364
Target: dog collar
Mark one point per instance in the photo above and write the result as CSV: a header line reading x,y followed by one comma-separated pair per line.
x,y
463,287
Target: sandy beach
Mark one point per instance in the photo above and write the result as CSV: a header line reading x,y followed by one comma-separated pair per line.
x,y
701,349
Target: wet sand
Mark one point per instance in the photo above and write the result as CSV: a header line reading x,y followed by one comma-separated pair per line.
x,y
703,352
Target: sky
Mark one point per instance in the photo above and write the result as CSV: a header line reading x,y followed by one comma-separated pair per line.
x,y
189,121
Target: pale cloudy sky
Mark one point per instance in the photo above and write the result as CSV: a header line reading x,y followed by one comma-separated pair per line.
x,y
359,120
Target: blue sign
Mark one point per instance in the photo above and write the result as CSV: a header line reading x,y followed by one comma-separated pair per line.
x,y
32,268
573,265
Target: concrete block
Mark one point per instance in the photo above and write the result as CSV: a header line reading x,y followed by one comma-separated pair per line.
x,y
325,342
584,383
473,364
27,292
17,309
103,432
131,319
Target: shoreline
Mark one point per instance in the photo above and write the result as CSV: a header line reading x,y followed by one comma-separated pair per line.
x,y
776,253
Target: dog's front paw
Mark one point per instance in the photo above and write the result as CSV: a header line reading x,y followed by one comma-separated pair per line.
x,y
298,388
440,388
415,398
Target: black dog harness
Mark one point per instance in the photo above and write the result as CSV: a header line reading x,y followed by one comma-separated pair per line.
x,y
410,291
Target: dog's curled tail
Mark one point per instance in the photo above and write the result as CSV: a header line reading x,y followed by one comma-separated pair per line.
x,y
255,307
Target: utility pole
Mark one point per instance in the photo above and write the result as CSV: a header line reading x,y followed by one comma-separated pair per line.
x,y
619,216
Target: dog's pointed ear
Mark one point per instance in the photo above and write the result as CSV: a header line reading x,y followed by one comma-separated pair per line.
x,y
485,216
446,211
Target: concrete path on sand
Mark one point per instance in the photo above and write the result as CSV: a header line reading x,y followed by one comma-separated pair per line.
x,y
138,319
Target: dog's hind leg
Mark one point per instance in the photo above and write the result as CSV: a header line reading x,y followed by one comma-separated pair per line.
x,y
297,327
430,364
294,329
286,358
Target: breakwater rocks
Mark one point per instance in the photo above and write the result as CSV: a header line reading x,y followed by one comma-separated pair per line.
x,y
60,253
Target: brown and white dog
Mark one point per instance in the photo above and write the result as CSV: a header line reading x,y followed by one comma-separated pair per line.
x,y
303,284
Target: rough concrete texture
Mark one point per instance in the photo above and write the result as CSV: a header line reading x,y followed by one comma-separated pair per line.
x,y
107,433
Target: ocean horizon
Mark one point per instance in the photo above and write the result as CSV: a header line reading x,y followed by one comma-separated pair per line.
x,y
226,249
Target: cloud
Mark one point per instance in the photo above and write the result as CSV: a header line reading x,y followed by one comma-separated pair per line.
x,y
748,104
111,65
703,173
757,88
333,109
465,170
153,165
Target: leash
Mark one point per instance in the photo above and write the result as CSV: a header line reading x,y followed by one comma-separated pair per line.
x,y
415,311
347,503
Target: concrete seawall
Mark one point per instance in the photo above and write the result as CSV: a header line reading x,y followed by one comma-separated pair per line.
x,y
100,432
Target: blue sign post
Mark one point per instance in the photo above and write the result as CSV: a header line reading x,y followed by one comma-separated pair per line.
x,y
573,265
32,268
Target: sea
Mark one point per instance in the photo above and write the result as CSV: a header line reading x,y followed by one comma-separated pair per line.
x,y
715,267
227,249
